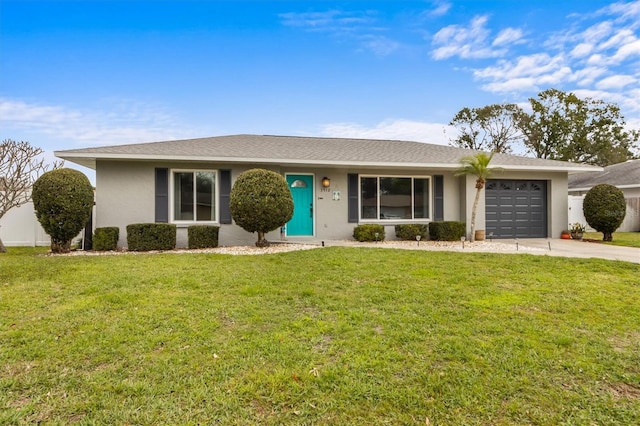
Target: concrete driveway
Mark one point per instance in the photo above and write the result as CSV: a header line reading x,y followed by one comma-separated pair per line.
x,y
584,249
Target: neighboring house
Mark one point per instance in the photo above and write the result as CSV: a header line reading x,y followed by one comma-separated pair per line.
x,y
336,184
625,176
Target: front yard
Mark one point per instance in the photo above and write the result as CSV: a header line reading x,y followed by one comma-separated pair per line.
x,y
328,336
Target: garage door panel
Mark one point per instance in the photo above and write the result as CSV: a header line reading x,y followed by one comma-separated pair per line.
x,y
516,208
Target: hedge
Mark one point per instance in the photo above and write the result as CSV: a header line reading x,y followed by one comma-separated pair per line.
x,y
409,231
203,236
106,238
447,231
151,236
368,232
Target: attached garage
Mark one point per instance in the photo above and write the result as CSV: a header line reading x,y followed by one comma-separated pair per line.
x,y
516,208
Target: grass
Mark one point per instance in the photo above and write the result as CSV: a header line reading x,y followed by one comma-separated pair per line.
x,y
628,239
347,336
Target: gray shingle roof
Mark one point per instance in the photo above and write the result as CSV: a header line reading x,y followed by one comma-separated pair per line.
x,y
257,149
623,174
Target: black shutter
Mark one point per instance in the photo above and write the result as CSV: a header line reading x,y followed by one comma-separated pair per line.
x,y
352,197
438,197
162,195
225,192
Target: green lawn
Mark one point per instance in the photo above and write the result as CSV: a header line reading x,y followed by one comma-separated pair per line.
x,y
629,239
330,336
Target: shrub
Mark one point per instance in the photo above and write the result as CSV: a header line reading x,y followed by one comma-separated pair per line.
x,y
106,238
604,209
368,232
203,236
63,200
151,236
411,230
260,201
446,231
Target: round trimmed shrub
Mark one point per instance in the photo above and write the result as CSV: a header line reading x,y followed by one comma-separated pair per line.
x,y
62,199
260,201
604,209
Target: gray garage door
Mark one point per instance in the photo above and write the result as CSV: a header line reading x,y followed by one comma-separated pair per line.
x,y
516,208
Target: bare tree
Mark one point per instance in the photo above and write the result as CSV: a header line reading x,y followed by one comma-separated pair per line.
x,y
492,128
20,166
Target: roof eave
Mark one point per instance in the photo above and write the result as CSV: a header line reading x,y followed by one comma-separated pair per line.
x,y
89,160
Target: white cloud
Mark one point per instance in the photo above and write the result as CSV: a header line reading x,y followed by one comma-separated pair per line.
x,y
615,82
508,36
394,129
597,53
440,8
380,45
357,26
587,76
329,21
582,50
625,10
117,122
627,50
465,42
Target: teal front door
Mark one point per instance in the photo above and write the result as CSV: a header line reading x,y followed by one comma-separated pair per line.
x,y
301,223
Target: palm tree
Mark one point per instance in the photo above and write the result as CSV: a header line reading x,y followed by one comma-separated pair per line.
x,y
476,165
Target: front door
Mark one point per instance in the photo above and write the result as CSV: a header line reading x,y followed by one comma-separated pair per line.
x,y
301,224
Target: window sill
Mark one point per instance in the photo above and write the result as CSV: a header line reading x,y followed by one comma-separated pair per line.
x,y
395,221
188,224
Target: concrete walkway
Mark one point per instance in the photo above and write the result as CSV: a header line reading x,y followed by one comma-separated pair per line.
x,y
537,246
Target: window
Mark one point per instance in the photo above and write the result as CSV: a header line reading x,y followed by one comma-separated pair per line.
x,y
394,198
194,196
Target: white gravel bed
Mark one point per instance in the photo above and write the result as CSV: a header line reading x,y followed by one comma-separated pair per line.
x,y
232,250
486,246
476,246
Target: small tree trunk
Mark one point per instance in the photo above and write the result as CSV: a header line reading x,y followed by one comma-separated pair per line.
x,y
473,214
60,246
607,236
262,241
3,249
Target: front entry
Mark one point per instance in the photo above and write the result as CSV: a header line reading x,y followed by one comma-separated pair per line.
x,y
301,224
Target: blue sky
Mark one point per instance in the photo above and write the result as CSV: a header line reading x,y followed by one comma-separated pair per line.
x,y
90,73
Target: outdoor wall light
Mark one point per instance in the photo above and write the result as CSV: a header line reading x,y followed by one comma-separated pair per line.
x,y
326,182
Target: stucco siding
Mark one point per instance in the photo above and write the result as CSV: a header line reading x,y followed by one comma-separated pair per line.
x,y
125,195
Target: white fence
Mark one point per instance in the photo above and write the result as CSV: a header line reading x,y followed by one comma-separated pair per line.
x,y
20,227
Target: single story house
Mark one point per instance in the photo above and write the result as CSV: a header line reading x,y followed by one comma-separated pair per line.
x,y
625,176
336,184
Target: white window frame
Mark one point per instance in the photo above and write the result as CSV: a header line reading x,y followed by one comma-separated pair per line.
x,y
383,221
172,207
